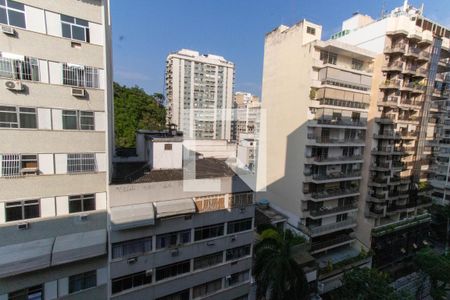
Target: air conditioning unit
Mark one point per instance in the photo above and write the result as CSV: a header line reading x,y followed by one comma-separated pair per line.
x,y
14,85
234,238
132,260
211,243
149,272
8,30
174,252
23,226
228,277
83,217
29,171
78,92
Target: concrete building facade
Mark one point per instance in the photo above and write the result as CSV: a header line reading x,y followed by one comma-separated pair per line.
x,y
54,114
246,115
199,91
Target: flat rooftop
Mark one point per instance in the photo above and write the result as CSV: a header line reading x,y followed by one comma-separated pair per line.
x,y
139,172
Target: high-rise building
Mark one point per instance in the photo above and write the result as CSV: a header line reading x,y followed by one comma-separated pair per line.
x,y
316,95
54,110
406,112
246,115
199,91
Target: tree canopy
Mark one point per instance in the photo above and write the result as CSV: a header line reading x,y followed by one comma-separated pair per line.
x,y
437,267
134,109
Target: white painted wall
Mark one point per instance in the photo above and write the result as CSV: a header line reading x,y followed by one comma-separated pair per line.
x,y
96,33
44,118
100,201
46,164
57,119
167,159
55,69
101,162
60,163
34,18
47,207
102,276
53,23
63,287
2,213
51,290
62,205
43,71
100,121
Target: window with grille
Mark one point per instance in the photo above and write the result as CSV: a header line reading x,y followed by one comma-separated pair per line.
x,y
82,281
18,117
207,288
237,278
22,69
74,28
173,270
130,281
173,239
81,162
22,210
328,57
132,247
12,13
207,232
80,76
238,252
34,293
74,119
18,164
208,260
240,225
80,203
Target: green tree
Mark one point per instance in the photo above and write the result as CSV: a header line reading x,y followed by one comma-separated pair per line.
x,y
134,109
367,284
277,274
437,267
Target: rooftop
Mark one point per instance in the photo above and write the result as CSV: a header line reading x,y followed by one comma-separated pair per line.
x,y
139,172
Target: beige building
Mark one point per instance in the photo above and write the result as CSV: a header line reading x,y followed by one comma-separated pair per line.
x,y
316,95
199,91
54,96
246,115
406,128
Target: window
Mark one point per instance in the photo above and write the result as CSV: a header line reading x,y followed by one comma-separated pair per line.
x,y
207,232
238,252
310,30
183,295
32,293
173,270
81,162
18,164
239,225
132,247
237,278
80,76
25,68
340,218
22,210
74,28
82,281
167,146
357,64
13,117
328,57
208,260
81,203
73,119
130,281
173,239
207,288
12,13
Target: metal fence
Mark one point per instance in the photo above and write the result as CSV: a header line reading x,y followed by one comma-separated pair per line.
x,y
26,69
80,76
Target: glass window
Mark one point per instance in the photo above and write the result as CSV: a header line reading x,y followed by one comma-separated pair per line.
x,y
239,225
32,293
207,232
21,210
74,28
173,270
80,76
69,119
132,247
83,120
27,117
81,162
173,239
80,203
82,281
236,278
130,281
12,13
208,260
87,120
24,117
207,288
183,295
357,64
8,117
238,252
310,30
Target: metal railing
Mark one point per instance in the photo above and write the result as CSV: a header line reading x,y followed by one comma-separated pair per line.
x,y
330,242
26,69
333,193
338,175
80,76
326,211
314,230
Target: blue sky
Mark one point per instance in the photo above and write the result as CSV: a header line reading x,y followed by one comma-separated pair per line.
x,y
145,31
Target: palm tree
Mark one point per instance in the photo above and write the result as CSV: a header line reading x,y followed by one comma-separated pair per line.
x,y
277,274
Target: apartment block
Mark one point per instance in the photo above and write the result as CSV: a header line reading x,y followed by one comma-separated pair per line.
x,y
406,122
54,97
316,95
199,91
181,224
246,115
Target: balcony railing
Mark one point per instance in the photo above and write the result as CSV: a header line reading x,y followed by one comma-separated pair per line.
x,y
399,47
342,122
328,140
335,159
334,193
413,51
421,72
390,84
326,211
393,66
424,55
317,230
331,242
338,175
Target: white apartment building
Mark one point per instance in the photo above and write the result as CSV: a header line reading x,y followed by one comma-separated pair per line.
x,y
406,133
246,111
199,91
316,96
54,104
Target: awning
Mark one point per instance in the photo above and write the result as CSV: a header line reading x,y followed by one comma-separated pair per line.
x,y
13,56
77,246
25,257
174,207
131,216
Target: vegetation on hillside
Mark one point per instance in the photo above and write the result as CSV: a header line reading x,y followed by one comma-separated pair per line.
x,y
134,109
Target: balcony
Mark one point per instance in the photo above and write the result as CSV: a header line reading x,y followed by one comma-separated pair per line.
x,y
345,122
390,84
334,194
444,65
388,150
397,48
409,69
321,160
331,243
421,72
337,176
396,208
409,119
395,66
331,211
389,101
338,261
423,55
316,230
412,52
335,141
407,86
405,223
387,134
376,212
380,166
409,102
386,119
418,88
